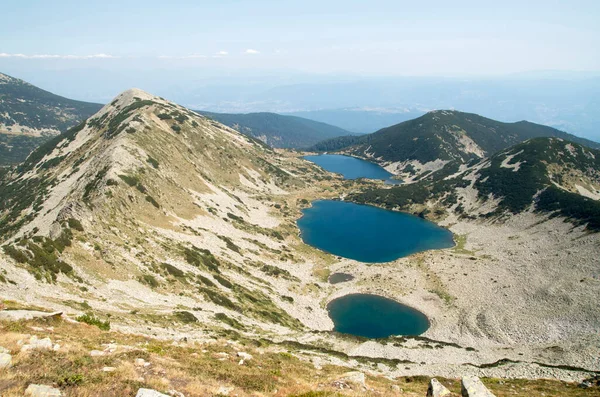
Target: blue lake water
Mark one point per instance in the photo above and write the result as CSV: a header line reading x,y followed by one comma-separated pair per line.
x,y
374,316
368,234
351,167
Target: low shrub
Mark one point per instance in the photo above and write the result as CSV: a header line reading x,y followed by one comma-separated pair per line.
x,y
90,319
185,317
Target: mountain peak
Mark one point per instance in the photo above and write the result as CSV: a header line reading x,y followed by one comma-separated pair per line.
x,y
444,112
133,95
4,78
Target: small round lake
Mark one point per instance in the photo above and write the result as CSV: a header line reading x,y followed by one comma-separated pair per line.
x,y
351,167
373,316
368,234
337,278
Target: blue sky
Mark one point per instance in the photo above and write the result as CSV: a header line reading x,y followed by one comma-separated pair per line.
x,y
429,37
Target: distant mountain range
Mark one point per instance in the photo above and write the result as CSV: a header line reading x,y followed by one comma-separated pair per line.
x,y
30,115
360,120
427,143
567,101
277,130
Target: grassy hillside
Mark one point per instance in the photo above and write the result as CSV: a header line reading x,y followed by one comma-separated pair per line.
x,y
277,130
208,368
29,115
444,135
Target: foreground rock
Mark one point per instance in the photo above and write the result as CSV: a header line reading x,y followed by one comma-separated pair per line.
x,y
17,315
5,360
436,389
38,344
42,391
349,379
149,393
224,390
471,386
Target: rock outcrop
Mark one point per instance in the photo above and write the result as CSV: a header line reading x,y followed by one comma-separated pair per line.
x,y
5,360
471,386
436,389
38,344
42,391
150,393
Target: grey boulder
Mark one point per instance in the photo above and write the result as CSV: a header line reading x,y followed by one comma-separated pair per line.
x,y
436,389
42,391
471,386
150,393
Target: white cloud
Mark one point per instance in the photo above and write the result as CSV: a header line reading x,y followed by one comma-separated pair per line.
x,y
251,51
192,56
219,54
54,56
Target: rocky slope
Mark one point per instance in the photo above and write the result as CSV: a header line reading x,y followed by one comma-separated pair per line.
x,y
545,175
147,197
278,130
29,115
526,223
427,143
168,224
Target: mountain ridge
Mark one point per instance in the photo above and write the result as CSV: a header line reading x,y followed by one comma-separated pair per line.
x,y
30,115
148,171
280,131
427,143
547,175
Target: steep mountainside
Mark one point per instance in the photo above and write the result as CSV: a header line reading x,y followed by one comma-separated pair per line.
x,y
148,198
29,115
277,130
438,137
547,175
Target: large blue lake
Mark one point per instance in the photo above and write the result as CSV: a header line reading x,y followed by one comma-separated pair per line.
x,y
374,316
351,167
368,234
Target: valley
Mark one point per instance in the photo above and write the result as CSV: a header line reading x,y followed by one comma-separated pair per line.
x,y
174,227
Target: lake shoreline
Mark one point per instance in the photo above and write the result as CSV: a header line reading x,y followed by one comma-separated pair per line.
x,y
355,231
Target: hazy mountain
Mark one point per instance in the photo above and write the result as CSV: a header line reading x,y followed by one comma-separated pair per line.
x,y
428,142
567,101
30,115
360,120
277,130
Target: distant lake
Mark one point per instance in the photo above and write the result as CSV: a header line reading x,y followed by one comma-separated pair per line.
x,y
368,234
374,316
351,167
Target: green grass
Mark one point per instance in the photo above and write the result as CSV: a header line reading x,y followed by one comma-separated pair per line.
x,y
172,270
90,319
185,317
461,242
230,321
